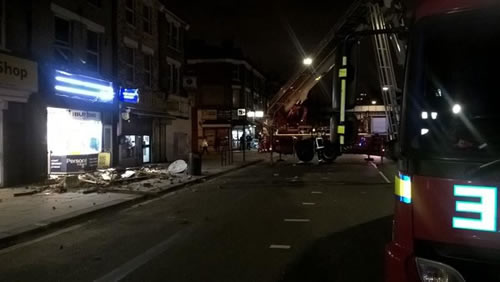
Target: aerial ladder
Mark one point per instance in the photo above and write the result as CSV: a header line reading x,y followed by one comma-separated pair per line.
x,y
363,18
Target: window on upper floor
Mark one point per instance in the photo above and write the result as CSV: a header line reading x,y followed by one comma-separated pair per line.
x,y
148,70
147,21
173,76
96,3
236,98
236,73
130,12
130,64
93,51
174,36
63,51
3,44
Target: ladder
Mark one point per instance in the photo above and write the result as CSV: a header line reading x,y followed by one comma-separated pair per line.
x,y
387,77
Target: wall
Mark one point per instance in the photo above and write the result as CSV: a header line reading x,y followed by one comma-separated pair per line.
x,y
179,148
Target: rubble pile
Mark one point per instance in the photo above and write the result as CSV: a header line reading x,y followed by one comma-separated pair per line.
x,y
103,180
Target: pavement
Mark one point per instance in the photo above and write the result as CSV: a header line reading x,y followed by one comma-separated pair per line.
x,y
27,215
268,222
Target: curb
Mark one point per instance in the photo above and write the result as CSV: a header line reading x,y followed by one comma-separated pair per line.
x,y
16,236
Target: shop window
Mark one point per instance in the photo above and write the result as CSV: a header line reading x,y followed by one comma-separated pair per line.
x,y
93,51
148,69
129,148
63,52
107,142
130,12
146,149
130,64
147,19
72,132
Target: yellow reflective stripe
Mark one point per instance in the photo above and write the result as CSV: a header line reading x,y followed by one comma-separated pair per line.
x,y
342,99
344,61
397,186
341,129
402,188
341,139
342,73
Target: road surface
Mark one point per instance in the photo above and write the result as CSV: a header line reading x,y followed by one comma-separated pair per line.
x,y
282,222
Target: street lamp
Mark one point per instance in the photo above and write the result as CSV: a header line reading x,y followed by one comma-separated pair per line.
x,y
374,102
308,61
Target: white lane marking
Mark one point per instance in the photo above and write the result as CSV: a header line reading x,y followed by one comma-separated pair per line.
x,y
133,264
381,173
316,192
282,247
57,233
296,220
308,204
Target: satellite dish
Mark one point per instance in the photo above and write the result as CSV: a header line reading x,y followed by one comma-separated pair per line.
x,y
126,114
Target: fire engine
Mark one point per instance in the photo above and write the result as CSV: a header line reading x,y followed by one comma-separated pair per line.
x,y
446,215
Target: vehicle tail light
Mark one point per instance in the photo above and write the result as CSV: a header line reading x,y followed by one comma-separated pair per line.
x,y
432,271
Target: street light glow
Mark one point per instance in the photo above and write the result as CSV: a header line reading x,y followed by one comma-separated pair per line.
x,y
374,102
385,88
457,109
308,61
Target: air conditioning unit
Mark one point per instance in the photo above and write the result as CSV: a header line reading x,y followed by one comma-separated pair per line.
x,y
189,82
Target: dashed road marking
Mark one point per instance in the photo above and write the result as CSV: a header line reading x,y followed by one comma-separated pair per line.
x,y
282,247
381,173
308,204
316,192
297,220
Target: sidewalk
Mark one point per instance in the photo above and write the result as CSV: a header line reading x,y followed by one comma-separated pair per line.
x,y
23,213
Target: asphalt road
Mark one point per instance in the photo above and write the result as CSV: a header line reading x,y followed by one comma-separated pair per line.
x,y
286,222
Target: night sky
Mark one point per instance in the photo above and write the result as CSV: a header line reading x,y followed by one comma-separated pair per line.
x,y
265,30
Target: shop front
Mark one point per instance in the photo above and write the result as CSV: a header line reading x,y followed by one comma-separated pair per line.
x,y
19,134
79,124
74,140
135,140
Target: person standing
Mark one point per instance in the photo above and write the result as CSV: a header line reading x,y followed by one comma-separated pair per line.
x,y
204,146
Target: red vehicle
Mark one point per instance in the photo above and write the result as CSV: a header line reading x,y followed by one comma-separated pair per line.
x,y
446,224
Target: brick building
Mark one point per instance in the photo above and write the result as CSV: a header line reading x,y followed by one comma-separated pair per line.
x,y
226,83
146,36
59,117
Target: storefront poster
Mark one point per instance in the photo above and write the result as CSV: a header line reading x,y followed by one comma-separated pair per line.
x,y
73,163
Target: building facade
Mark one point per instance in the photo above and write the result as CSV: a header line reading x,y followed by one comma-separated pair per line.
x,y
229,97
179,103
58,116
148,67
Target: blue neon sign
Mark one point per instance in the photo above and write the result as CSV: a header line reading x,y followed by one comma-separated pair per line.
x,y
129,95
83,87
486,208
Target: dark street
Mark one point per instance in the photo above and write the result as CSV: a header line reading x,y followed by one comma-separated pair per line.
x,y
286,222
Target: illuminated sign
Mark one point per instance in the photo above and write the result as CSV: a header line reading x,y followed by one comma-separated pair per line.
x,y
129,95
403,188
83,87
485,208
